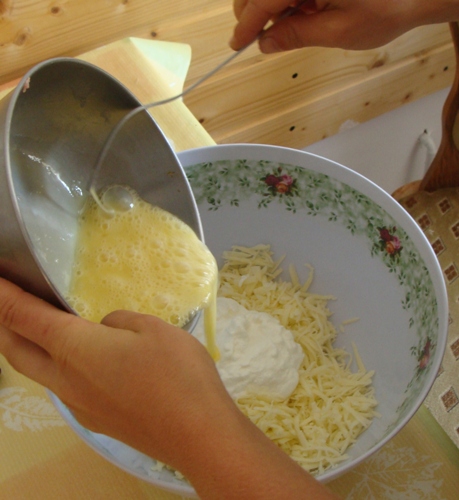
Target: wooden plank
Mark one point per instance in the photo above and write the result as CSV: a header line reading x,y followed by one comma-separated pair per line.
x,y
262,80
297,123
208,39
32,30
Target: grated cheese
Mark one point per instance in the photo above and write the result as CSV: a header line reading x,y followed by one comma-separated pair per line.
x,y
331,405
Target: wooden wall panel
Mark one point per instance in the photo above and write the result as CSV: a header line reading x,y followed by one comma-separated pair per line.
x,y
33,30
293,122
275,100
291,99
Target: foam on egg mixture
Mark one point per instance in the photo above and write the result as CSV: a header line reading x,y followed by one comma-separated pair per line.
x,y
144,260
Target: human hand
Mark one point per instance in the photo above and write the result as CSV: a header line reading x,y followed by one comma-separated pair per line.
x,y
348,24
154,387
134,377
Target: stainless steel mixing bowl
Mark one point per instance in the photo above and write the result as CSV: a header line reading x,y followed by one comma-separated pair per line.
x,y
52,129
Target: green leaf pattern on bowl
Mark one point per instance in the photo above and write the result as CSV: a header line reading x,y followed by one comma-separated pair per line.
x,y
296,188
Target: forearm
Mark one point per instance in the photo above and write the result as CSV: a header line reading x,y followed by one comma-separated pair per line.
x,y
232,459
436,11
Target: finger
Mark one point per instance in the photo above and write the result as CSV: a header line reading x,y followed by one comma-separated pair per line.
x,y
253,16
137,322
238,7
151,325
34,319
26,357
145,323
251,23
327,28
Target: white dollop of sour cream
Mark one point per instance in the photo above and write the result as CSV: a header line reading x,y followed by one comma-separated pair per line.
x,y
258,356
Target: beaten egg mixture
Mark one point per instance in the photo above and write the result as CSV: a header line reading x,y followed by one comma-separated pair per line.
x,y
144,260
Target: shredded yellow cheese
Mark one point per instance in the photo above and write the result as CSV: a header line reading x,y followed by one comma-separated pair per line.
x,y
332,405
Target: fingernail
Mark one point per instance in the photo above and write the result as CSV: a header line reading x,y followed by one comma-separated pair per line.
x,y
232,43
268,45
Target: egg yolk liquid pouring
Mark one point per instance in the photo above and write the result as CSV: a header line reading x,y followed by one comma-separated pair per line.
x,y
146,260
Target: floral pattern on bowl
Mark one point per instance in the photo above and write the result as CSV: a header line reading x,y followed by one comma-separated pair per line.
x,y
228,182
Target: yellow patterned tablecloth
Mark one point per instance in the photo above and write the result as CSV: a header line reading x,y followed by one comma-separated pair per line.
x,y
42,458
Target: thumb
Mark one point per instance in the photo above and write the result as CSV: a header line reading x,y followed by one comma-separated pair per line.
x,y
137,322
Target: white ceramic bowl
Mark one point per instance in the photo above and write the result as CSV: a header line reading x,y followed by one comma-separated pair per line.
x,y
331,218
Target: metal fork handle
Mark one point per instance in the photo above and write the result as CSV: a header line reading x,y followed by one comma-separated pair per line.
x,y
143,107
